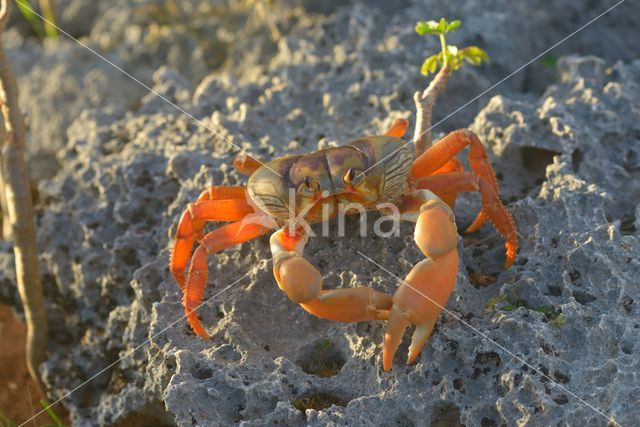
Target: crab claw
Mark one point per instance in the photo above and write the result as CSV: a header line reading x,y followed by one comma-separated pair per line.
x,y
423,294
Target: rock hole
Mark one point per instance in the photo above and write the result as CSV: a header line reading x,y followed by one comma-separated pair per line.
x,y
554,291
321,358
445,414
488,422
228,352
117,382
575,275
548,348
200,372
517,380
560,399
576,159
186,330
560,377
583,298
480,279
627,348
626,302
485,362
317,400
403,420
128,255
536,160
628,226
170,362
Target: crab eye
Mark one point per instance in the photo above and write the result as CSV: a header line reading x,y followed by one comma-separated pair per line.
x,y
310,186
353,176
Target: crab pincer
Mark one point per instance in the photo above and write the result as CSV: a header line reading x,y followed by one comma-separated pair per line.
x,y
302,283
421,297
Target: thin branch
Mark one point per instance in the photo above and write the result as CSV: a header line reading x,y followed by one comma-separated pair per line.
x,y
424,105
4,207
21,214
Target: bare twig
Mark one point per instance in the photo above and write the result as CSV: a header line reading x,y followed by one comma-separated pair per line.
x,y
4,208
424,105
426,100
21,215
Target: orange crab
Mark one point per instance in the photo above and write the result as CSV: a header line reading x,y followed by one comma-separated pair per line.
x,y
369,171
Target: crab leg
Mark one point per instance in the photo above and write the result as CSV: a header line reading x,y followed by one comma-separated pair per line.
x,y
245,164
302,283
426,289
214,204
224,237
397,128
465,182
438,155
453,165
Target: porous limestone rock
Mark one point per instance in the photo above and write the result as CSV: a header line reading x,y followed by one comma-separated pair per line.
x,y
549,340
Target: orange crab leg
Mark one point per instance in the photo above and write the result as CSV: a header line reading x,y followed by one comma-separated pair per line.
x,y
302,283
245,164
453,165
194,218
423,294
465,182
437,156
445,149
224,237
217,192
398,128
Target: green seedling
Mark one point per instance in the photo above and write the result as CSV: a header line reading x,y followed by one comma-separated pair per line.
x,y
450,57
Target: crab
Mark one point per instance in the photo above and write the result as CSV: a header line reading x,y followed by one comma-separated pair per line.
x,y
369,171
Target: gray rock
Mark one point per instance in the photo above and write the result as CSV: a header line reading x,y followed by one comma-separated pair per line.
x,y
567,159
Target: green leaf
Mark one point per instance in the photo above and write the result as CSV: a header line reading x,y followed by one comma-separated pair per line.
x,y
474,55
422,28
45,405
427,27
27,11
429,65
453,25
442,26
453,57
49,23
